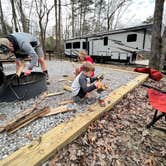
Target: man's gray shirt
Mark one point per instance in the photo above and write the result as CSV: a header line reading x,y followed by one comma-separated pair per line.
x,y
24,40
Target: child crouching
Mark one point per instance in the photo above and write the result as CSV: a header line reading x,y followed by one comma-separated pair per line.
x,y
80,87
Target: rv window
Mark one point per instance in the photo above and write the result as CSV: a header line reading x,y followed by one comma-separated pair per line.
x,y
76,45
132,38
68,45
84,45
105,41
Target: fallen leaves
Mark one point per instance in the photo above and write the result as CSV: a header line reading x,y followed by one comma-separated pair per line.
x,y
119,137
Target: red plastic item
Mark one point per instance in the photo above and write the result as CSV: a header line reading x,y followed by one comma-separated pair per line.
x,y
142,70
157,100
153,73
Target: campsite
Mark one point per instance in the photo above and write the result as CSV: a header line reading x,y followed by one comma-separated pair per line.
x,y
82,83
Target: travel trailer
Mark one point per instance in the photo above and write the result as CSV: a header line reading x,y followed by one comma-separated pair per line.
x,y
120,45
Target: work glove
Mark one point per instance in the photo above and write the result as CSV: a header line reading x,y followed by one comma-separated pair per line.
x,y
27,72
100,77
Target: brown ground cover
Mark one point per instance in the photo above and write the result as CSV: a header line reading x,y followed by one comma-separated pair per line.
x,y
120,136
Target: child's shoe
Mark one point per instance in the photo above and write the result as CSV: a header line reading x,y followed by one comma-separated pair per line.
x,y
101,102
90,100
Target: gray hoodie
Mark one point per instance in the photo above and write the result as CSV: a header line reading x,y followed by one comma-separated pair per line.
x,y
24,41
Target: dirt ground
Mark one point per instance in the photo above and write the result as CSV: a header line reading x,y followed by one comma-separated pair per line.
x,y
120,137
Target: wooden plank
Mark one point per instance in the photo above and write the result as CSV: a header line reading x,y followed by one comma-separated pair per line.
x,y
38,152
26,120
60,109
55,94
66,102
68,88
25,112
29,110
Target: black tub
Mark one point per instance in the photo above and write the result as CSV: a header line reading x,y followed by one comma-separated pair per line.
x,y
24,88
2,81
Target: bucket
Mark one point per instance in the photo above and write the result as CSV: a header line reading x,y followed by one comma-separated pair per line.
x,y
2,81
24,88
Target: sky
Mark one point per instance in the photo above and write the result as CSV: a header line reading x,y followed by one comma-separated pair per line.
x,y
138,11
135,14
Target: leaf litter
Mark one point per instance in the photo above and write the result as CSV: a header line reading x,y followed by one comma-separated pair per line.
x,y
120,136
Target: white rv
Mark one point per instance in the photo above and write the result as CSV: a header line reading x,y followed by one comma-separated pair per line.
x,y
118,45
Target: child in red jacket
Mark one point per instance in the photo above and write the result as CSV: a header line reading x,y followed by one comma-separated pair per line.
x,y
83,57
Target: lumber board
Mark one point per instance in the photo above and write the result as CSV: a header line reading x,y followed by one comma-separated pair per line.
x,y
27,111
38,152
68,88
60,109
66,102
55,94
26,120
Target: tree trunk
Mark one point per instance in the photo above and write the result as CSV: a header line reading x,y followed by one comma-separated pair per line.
x,y
59,27
81,24
163,50
72,18
24,20
155,58
14,15
56,24
4,29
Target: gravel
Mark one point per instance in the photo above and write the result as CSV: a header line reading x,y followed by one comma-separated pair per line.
x,y
57,69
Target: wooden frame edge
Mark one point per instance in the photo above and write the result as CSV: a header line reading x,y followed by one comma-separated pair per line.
x,y
40,150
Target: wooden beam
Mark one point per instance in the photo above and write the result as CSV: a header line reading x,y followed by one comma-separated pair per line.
x,y
27,111
66,102
60,109
39,151
68,88
55,94
26,120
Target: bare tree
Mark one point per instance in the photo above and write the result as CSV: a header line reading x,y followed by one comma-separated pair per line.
x,y
163,50
4,29
112,7
100,7
59,26
84,8
148,20
23,18
56,23
43,15
14,15
155,58
73,16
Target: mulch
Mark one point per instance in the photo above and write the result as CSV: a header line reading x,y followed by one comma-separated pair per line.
x,y
120,136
